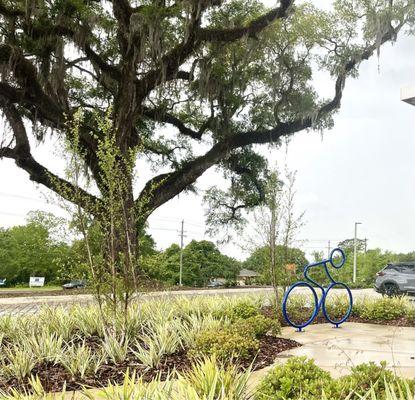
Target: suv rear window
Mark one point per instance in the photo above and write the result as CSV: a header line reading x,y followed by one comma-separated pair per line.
x,y
408,268
404,268
392,267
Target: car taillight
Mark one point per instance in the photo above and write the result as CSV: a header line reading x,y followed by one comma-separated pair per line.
x,y
380,273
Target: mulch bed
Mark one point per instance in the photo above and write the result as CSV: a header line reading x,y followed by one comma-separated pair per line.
x,y
269,348
54,377
269,312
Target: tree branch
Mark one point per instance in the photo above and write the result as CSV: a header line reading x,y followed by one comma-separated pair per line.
x,y
164,187
286,129
38,31
26,75
171,62
38,173
162,116
250,30
108,69
10,12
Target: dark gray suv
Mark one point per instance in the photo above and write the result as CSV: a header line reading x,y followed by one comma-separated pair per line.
x,y
396,278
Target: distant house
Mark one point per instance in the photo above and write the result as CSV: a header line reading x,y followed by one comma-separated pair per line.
x,y
291,269
246,277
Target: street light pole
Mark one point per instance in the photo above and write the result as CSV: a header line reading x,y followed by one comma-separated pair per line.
x,y
408,95
355,252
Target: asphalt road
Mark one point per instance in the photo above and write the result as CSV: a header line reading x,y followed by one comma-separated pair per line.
x,y
32,304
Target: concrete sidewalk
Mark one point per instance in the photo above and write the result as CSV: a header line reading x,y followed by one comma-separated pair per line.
x,y
337,350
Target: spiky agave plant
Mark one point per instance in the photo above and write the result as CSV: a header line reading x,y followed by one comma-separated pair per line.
x,y
80,361
164,338
57,320
115,347
35,391
87,320
393,391
18,362
211,381
135,389
46,346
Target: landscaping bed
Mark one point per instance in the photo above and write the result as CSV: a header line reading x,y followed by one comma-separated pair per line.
x,y
55,378
71,348
62,348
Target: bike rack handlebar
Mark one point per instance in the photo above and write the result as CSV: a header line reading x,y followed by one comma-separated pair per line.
x,y
331,260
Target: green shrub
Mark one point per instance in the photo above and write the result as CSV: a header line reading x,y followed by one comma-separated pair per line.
x,y
225,345
256,326
384,309
299,378
337,305
242,310
367,376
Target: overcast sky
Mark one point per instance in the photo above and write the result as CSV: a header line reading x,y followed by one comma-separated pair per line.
x,y
362,170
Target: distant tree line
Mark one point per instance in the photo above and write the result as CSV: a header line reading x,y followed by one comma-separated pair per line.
x,y
202,261
48,246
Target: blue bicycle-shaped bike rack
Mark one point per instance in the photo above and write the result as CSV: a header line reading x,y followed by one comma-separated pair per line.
x,y
337,259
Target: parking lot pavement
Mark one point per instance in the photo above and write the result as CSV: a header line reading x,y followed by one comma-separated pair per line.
x,y
31,305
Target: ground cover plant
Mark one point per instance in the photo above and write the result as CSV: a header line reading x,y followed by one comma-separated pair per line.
x,y
300,378
74,347
206,380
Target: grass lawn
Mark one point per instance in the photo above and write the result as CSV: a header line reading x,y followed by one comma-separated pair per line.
x,y
30,289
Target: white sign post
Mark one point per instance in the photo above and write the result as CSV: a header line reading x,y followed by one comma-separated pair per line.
x,y
36,282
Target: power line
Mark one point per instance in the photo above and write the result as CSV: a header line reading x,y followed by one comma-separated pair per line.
x,y
12,214
18,196
317,240
323,246
172,219
162,229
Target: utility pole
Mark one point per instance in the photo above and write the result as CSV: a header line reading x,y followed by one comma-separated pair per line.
x,y
364,257
355,251
182,235
328,249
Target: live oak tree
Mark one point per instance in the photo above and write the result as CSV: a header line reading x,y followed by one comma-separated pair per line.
x,y
184,84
